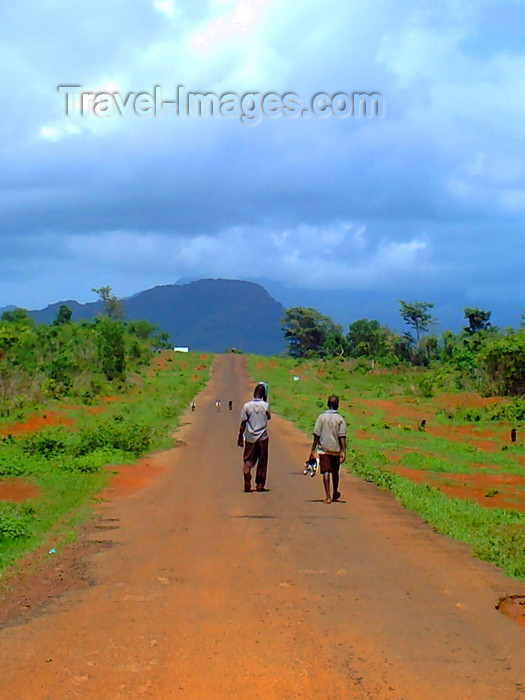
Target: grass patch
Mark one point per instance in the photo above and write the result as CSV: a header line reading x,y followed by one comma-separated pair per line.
x,y
495,535
67,465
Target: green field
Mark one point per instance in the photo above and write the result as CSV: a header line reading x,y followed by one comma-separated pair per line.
x,y
459,471
65,463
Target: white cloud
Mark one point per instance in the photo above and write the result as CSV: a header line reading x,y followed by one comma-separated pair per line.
x,y
59,131
165,7
231,22
332,257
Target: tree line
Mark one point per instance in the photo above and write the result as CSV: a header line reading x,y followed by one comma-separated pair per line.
x,y
65,358
482,355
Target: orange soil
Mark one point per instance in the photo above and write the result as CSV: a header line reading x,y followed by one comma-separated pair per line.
x,y
130,478
472,487
511,489
465,400
394,409
17,490
495,438
163,360
35,423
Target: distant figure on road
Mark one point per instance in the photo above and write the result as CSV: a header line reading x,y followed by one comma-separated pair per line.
x,y
192,406
330,442
230,405
218,405
253,436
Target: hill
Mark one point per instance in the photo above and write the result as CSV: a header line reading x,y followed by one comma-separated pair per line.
x,y
208,315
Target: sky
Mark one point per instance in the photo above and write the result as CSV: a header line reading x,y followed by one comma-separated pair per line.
x,y
345,213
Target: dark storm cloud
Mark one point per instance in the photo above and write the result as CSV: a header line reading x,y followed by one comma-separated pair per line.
x,y
429,197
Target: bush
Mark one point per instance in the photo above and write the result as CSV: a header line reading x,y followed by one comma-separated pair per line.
x,y
504,363
117,433
87,463
12,525
512,411
47,442
13,463
473,415
504,545
426,386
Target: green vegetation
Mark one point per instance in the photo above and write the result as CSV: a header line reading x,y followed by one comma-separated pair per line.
x,y
308,332
67,465
480,358
78,360
384,410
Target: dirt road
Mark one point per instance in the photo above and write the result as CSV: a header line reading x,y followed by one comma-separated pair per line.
x,y
202,591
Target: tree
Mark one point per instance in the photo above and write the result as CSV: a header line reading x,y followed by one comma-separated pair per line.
x,y
307,331
449,342
111,344
416,315
18,338
335,343
503,359
19,316
112,305
64,315
162,340
478,320
367,338
142,329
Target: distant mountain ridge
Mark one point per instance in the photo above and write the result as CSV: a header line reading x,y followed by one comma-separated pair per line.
x,y
209,315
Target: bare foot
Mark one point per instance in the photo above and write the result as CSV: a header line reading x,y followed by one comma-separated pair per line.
x,y
328,500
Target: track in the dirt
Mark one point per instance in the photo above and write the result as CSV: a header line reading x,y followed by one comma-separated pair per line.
x,y
208,592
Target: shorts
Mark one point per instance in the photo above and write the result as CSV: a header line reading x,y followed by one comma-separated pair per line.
x,y
256,453
329,463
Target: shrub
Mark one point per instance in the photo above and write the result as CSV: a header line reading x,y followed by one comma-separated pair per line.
x,y
13,463
12,525
47,442
117,433
504,363
87,463
512,411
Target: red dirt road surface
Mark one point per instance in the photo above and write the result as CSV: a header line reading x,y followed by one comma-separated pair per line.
x,y
198,590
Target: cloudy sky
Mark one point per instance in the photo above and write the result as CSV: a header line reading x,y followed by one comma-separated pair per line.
x,y
349,213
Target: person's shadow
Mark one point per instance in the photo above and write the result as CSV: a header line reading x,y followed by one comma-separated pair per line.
x,y
321,500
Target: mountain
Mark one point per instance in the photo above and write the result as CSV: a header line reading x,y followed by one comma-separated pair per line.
x,y
85,312
209,315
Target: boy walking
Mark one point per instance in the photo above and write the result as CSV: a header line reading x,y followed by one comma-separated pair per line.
x,y
330,441
253,436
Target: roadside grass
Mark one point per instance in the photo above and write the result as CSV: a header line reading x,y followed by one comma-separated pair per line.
x,y
379,442
67,464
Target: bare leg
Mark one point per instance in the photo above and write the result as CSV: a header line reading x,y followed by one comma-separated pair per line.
x,y
247,472
335,482
326,484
